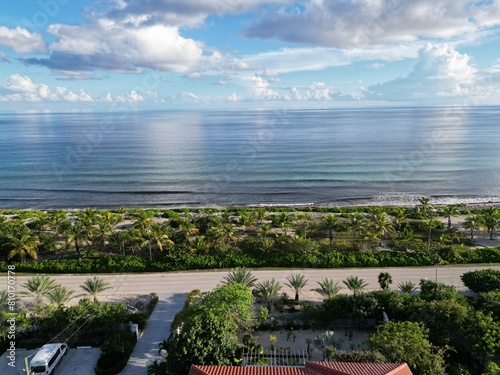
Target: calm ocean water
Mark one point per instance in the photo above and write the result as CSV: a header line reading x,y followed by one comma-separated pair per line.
x,y
325,157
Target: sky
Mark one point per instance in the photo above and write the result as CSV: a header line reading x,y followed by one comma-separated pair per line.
x,y
95,55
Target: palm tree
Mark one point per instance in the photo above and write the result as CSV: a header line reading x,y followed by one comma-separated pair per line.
x,y
472,224
241,276
330,222
39,287
357,223
355,284
326,342
382,225
102,232
265,229
490,219
143,221
23,243
407,287
449,211
429,224
385,280
95,286
160,235
328,288
60,295
425,207
76,232
268,290
198,244
297,282
398,217
285,220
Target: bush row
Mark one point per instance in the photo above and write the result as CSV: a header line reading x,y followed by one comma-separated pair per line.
x,y
288,260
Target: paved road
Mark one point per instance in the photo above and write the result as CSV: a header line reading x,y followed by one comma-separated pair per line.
x,y
168,284
172,287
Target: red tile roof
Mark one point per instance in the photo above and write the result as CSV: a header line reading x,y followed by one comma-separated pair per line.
x,y
311,368
352,368
248,370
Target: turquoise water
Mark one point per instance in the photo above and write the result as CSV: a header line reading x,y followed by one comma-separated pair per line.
x,y
324,157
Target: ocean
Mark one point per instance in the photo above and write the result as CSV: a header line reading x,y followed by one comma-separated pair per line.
x,y
291,157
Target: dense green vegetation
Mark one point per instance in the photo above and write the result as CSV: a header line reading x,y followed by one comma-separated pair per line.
x,y
93,241
437,331
46,314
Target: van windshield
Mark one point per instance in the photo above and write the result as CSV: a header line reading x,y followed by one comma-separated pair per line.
x,y
38,369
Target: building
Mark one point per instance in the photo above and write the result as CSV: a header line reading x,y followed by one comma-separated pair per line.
x,y
310,368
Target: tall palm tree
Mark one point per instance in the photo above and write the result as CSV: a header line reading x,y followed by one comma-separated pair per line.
x,y
425,207
95,286
399,215
330,222
328,288
241,276
490,219
22,244
39,287
76,232
355,284
357,224
472,224
60,295
143,221
160,235
297,282
382,226
285,221
268,290
449,211
102,232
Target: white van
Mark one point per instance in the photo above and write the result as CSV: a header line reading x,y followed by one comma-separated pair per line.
x,y
47,358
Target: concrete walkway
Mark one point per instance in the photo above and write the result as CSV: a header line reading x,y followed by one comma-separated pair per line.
x,y
157,330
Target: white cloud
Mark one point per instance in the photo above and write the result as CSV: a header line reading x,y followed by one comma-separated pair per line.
x,y
289,60
112,46
440,71
260,88
348,24
21,88
21,40
176,13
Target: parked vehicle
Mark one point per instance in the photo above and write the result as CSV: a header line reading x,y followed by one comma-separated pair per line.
x,y
47,358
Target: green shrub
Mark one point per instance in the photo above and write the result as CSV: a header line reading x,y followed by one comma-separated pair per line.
x,y
482,281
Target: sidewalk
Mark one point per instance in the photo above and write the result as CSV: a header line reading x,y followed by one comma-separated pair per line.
x,y
157,330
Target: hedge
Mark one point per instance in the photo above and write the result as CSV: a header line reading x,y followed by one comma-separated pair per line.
x,y
482,281
278,259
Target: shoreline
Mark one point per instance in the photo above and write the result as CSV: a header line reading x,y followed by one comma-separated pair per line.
x,y
466,205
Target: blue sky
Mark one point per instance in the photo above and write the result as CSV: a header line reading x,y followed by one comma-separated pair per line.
x,y
62,55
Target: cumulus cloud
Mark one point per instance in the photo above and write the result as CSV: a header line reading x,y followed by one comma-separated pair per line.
x,y
440,71
111,46
347,24
21,40
261,89
19,88
176,13
22,88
